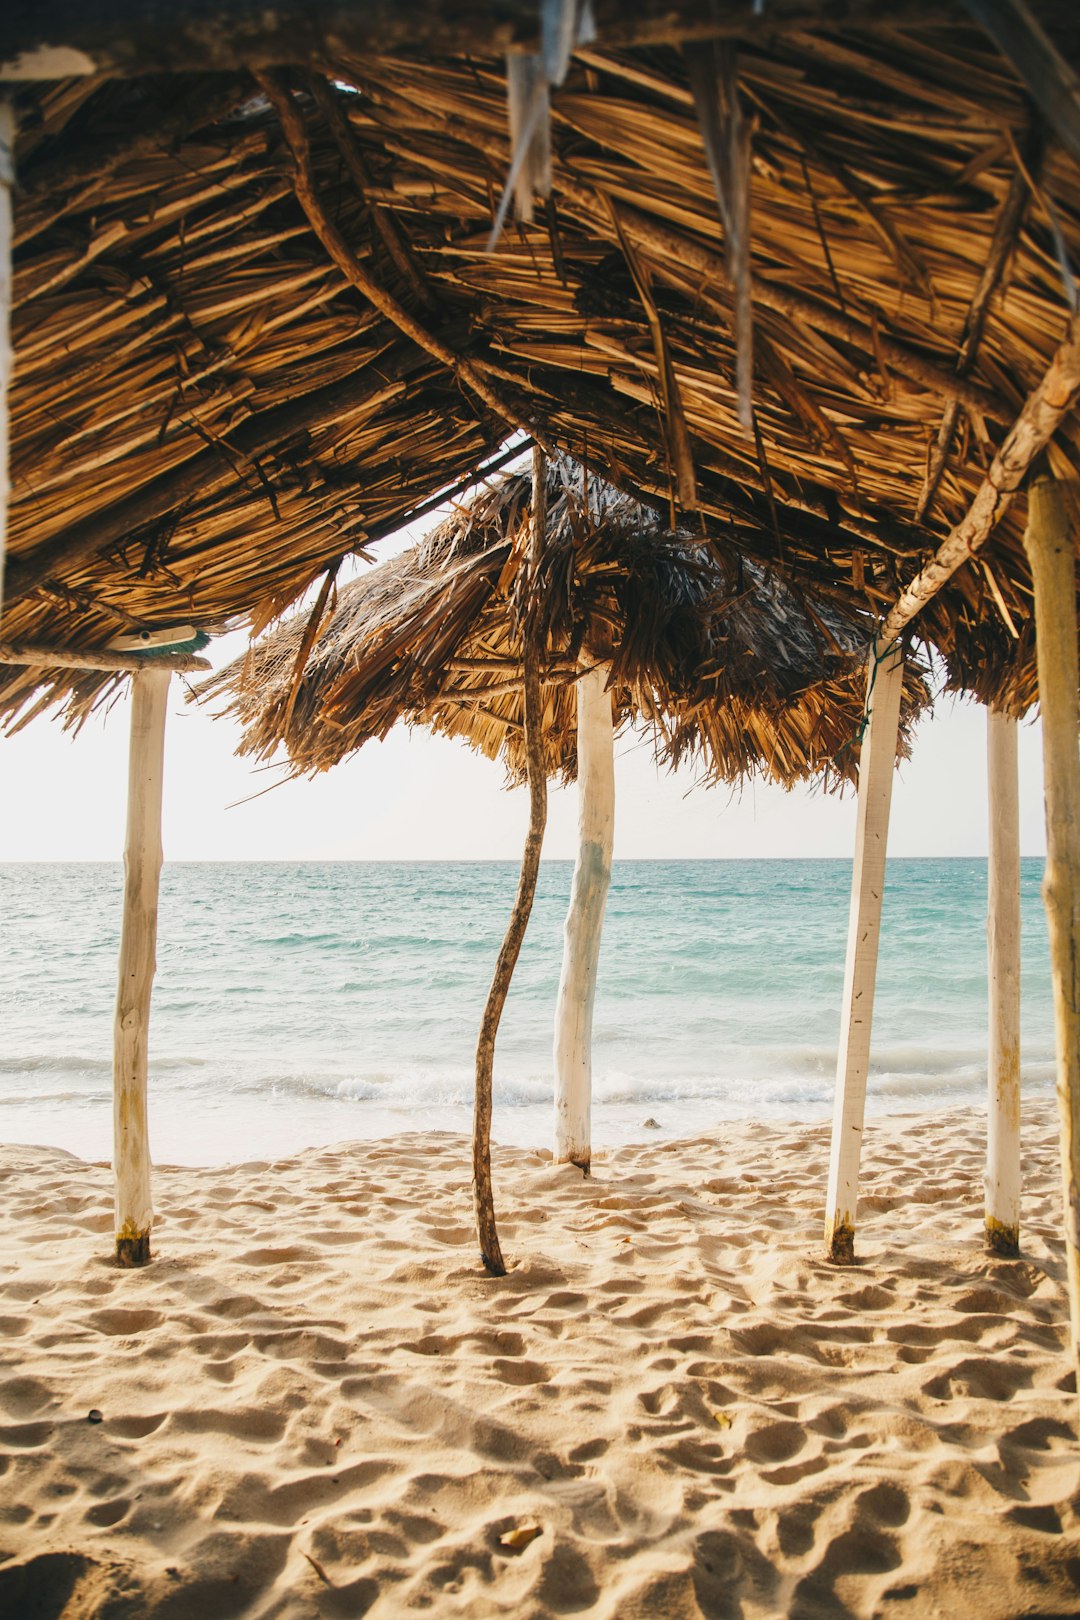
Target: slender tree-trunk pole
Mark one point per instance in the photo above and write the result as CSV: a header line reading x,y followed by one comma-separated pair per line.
x,y
483,1199
876,765
1050,551
7,181
138,959
1003,977
585,920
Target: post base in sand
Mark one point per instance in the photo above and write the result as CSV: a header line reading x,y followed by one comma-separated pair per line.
x,y
584,1162
133,1251
842,1246
1002,1239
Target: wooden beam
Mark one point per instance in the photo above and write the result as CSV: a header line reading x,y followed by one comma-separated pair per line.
x,y
585,920
7,182
138,948
338,251
394,240
1044,410
515,683
1003,983
51,39
877,762
1051,552
13,652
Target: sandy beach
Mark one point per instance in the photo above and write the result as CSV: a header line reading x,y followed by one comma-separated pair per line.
x,y
313,1402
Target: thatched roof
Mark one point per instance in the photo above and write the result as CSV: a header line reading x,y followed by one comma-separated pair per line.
x,y
726,663
213,406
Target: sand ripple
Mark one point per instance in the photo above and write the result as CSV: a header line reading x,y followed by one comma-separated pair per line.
x,y
313,1403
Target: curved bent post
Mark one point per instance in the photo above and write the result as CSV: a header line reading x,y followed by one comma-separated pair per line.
x,y
585,920
483,1197
876,765
138,960
1051,553
1003,982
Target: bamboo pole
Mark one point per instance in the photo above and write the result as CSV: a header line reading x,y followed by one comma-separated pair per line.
x,y
483,1197
7,182
32,657
585,920
1043,412
461,367
1003,978
877,761
1049,546
138,947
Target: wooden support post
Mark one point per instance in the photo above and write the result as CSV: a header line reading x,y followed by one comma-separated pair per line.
x,y
1003,979
876,764
138,949
1051,554
585,919
483,1195
7,182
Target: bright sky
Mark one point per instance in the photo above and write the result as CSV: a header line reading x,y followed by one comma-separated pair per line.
x,y
422,797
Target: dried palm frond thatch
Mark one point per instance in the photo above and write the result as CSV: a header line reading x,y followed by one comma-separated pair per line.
x,y
725,662
252,336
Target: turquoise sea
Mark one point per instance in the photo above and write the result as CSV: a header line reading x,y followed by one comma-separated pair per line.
x,y
298,1004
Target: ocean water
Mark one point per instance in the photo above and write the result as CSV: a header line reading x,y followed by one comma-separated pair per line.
x,y
299,1004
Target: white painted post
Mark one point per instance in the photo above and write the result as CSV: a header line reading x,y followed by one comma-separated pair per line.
x,y
585,920
7,181
885,681
138,960
1050,548
1003,979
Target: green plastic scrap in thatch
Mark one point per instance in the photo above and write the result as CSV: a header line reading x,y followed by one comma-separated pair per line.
x,y
181,638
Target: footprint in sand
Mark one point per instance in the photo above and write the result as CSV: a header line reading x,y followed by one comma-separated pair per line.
x,y
134,1427
24,1396
119,1323
795,1529
521,1372
1038,1434
106,1514
25,1436
44,1584
1045,1519
588,1451
870,1298
860,1550
564,1301
264,1424
886,1503
723,1558
980,1377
